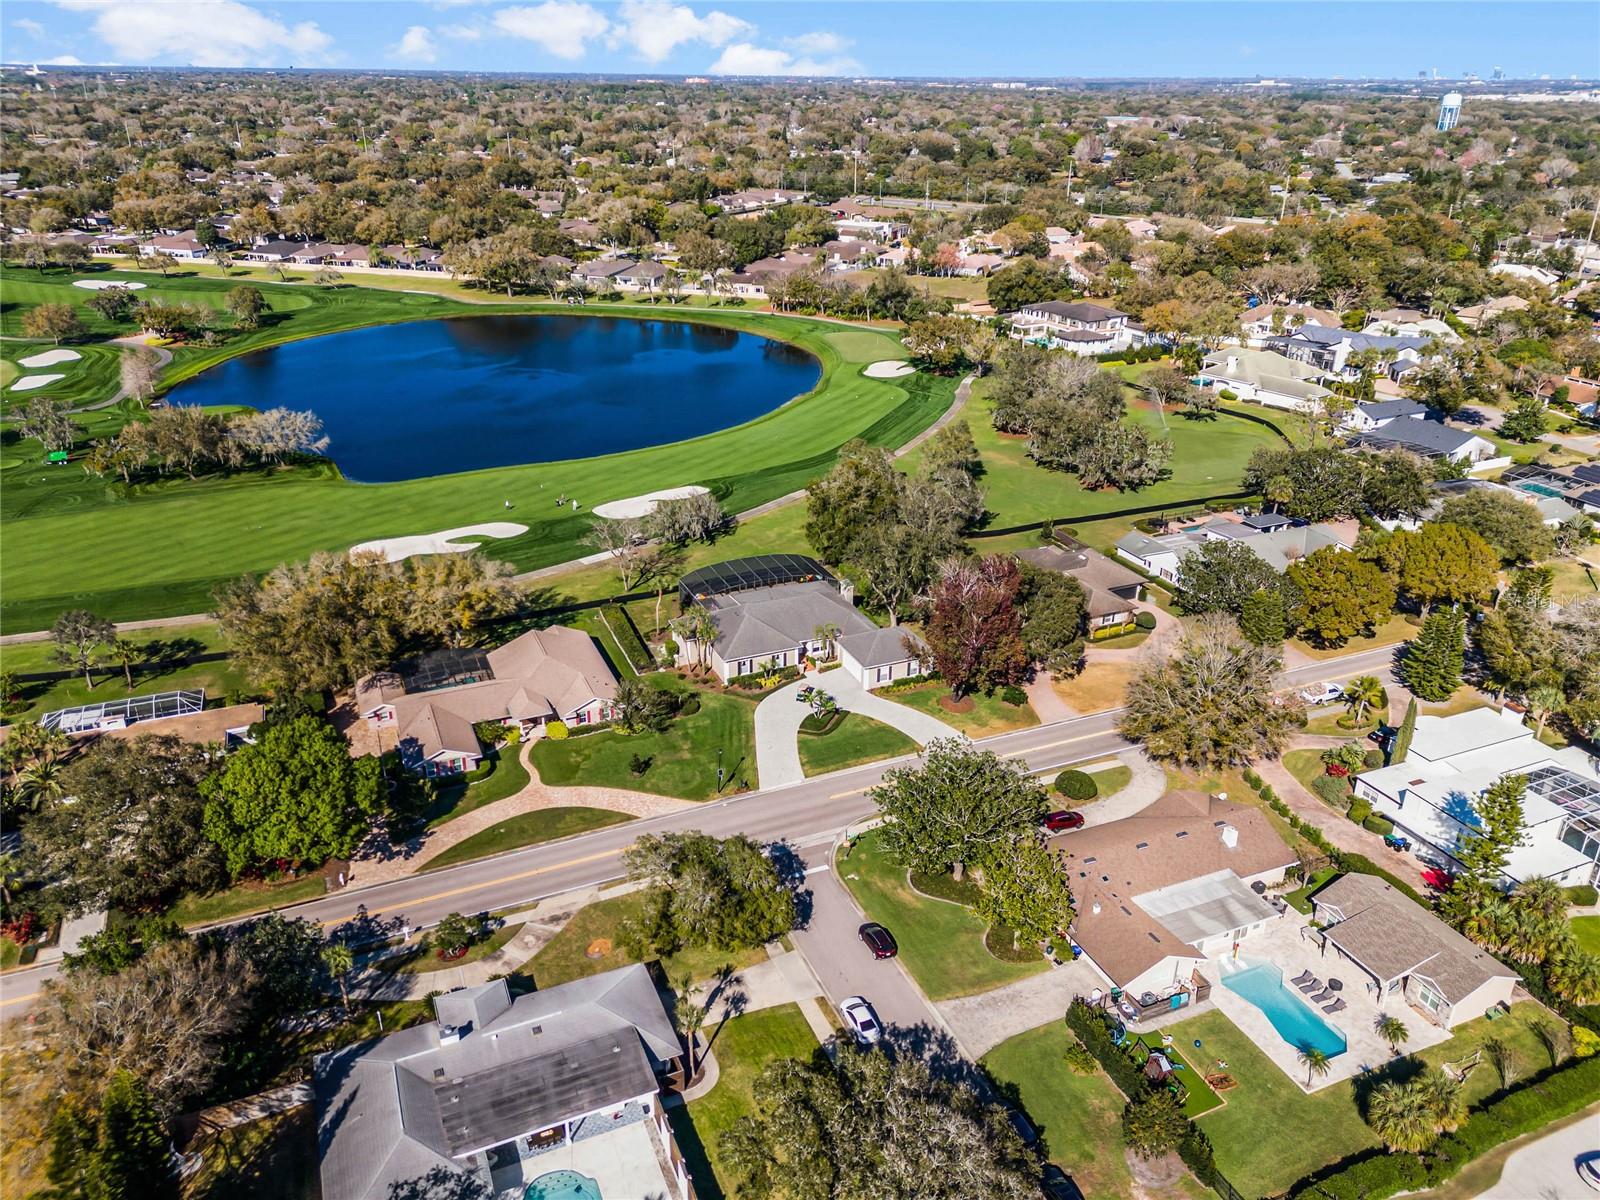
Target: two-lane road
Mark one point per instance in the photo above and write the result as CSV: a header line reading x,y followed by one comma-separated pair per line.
x,y
805,814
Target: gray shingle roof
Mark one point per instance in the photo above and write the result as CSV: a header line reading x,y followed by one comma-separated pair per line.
x,y
1430,437
1384,410
763,621
880,647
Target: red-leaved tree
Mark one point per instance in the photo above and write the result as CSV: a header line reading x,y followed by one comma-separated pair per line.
x,y
975,630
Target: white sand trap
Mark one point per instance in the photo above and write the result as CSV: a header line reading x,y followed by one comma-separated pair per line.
x,y
29,383
395,549
100,285
49,358
643,506
888,369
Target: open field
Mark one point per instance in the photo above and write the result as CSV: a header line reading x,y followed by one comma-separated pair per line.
x,y
218,527
941,942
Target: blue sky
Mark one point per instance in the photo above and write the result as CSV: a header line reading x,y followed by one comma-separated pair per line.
x,y
1097,38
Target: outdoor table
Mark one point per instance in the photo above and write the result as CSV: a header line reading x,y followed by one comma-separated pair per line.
x,y
1336,985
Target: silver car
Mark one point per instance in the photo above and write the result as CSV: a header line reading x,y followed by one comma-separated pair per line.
x,y
861,1021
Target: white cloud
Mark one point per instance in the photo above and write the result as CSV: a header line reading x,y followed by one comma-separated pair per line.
x,y
743,58
62,60
655,28
417,45
462,33
558,27
29,26
819,42
202,33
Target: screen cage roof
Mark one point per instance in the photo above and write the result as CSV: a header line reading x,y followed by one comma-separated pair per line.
x,y
738,574
113,714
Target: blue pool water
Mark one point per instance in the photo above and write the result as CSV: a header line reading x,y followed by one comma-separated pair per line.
x,y
434,397
562,1185
1296,1022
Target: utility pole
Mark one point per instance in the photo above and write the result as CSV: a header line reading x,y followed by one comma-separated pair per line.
x,y
1593,215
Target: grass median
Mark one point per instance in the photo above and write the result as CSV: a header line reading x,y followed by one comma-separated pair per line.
x,y
526,829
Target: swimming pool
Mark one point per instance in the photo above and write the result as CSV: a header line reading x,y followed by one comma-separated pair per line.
x,y
1295,1022
562,1185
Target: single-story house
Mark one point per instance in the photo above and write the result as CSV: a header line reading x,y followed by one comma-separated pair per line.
x,y
272,250
1476,314
601,272
1430,796
1264,377
433,702
176,245
1158,893
1406,951
1274,542
643,276
878,656
1364,418
1111,591
497,1093
1429,439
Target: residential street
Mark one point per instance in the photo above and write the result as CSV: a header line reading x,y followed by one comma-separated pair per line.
x,y
807,815
1546,1169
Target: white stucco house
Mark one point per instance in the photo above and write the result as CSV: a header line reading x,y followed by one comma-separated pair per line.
x,y
1077,326
1264,377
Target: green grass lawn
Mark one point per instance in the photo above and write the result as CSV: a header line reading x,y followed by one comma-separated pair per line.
x,y
1078,1117
421,959
242,899
1327,723
855,740
170,654
1306,766
941,943
566,956
216,528
1300,898
1112,780
989,714
1587,931
526,829
507,779
1391,633
742,1047
1199,1097
683,758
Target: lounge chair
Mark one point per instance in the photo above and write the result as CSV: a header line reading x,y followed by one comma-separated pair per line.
x,y
1322,997
1337,1006
1303,977
1315,985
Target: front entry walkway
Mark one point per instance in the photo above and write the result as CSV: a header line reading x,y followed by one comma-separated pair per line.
x,y
778,720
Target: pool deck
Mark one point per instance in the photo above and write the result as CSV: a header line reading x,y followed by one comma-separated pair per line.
x,y
1283,944
626,1163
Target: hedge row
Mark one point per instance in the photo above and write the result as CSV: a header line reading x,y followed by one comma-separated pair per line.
x,y
627,636
1557,1093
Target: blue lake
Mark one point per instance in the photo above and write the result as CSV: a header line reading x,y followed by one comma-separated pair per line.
x,y
433,397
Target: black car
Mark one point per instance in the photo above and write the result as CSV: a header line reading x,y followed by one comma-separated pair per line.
x,y
879,940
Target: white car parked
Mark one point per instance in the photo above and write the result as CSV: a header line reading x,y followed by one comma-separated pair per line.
x,y
1321,693
861,1021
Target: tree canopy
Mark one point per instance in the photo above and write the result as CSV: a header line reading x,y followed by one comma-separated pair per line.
x,y
722,894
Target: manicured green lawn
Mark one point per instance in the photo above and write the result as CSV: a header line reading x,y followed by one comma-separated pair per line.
x,y
941,943
855,740
421,958
507,779
1391,633
1587,931
989,714
1199,1098
1269,1133
1300,898
169,651
742,1047
683,758
1306,766
526,829
566,956
215,528
1078,1117
245,898
10,954
1112,780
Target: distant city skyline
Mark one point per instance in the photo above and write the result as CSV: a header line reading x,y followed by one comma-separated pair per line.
x,y
877,38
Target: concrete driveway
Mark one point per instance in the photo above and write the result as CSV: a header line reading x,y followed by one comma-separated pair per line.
x,y
778,720
1547,1169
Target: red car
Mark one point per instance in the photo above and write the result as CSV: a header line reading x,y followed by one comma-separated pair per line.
x,y
1064,821
879,940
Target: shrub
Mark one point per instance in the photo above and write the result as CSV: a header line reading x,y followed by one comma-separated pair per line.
x,y
1078,1059
1228,394
490,733
1013,695
690,705
1251,778
1145,620
1379,824
1332,790
1090,1025
1372,759
513,735
1076,785
1359,810
555,730
639,764
1583,895
1267,794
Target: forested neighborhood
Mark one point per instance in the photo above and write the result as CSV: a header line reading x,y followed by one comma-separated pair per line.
x,y
788,634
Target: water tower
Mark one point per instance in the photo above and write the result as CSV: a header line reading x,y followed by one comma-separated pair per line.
x,y
1449,111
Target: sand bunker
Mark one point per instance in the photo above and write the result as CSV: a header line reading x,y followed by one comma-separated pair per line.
x,y
643,506
888,369
49,358
100,285
30,382
395,549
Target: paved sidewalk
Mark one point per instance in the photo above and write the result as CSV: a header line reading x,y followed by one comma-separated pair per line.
x,y
983,1021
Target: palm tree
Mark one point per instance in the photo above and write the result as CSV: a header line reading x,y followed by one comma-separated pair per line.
x,y
1441,1094
1544,896
691,1013
39,782
340,960
1314,1061
1279,491
125,653
1363,694
1393,1030
1500,1056
1401,1116
1545,700
1575,976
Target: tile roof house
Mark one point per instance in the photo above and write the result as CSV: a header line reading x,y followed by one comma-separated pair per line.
x,y
1264,377
504,1092
1077,326
1406,951
1159,892
1269,320
432,702
176,245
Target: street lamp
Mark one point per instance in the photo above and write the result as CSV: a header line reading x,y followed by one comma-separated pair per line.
x,y
719,770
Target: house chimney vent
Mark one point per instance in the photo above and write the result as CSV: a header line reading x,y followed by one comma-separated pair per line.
x,y
1096,908
449,1035
1230,837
